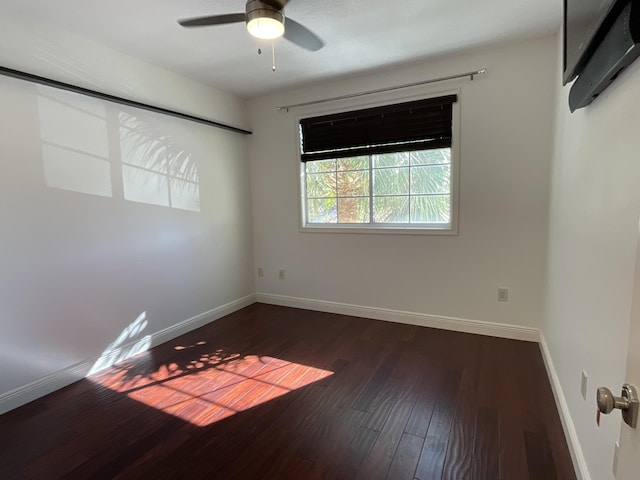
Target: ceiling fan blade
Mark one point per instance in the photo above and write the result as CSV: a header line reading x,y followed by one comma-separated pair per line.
x,y
212,20
301,35
277,4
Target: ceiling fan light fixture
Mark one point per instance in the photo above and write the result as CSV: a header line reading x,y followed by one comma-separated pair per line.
x,y
266,23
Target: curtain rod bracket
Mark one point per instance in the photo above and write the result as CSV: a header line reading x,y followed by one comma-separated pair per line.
x,y
479,72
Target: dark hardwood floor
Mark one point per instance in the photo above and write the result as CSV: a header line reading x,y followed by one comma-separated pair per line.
x,y
280,393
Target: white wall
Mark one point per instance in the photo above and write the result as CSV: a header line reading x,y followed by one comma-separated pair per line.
x,y
505,152
595,199
90,241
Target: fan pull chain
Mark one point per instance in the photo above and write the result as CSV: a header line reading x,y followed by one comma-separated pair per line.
x,y
273,57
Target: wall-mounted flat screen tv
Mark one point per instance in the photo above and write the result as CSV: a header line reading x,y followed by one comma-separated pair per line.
x,y
582,21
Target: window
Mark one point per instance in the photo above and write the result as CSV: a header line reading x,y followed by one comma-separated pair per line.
x,y
382,169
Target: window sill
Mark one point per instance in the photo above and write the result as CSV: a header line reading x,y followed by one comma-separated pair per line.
x,y
378,229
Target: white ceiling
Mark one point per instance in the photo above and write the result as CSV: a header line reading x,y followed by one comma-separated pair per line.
x,y
359,35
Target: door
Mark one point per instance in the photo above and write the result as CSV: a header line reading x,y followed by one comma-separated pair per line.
x,y
629,454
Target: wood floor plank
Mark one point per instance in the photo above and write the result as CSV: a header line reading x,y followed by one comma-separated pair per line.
x,y
406,458
535,430
432,458
375,384
276,393
401,397
513,458
460,449
433,346
356,453
330,449
420,418
551,419
485,465
540,460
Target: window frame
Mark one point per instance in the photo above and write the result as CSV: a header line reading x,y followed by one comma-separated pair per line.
x,y
383,228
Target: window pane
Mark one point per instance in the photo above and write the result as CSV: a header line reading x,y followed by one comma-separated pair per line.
x,y
430,157
353,184
432,179
321,166
353,210
391,209
399,159
353,163
431,209
322,210
391,181
320,185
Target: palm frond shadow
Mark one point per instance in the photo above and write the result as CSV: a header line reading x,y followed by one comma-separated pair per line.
x,y
148,146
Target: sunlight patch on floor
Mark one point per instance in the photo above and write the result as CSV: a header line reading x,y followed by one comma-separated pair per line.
x,y
206,388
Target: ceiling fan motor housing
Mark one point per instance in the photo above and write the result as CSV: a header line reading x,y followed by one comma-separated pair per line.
x,y
257,9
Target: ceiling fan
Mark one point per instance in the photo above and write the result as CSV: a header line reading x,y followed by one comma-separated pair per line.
x,y
265,19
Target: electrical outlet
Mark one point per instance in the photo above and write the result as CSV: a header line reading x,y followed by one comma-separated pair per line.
x,y
616,450
281,274
503,294
260,272
583,385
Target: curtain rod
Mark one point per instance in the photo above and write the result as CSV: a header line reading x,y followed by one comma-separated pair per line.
x,y
381,90
115,99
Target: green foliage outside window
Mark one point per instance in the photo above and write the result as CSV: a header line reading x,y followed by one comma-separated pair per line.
x,y
396,188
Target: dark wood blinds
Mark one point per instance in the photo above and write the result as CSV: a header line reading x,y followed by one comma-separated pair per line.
x,y
418,125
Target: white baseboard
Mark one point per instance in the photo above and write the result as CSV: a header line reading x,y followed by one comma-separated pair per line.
x,y
577,457
411,318
60,379
201,320
34,390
